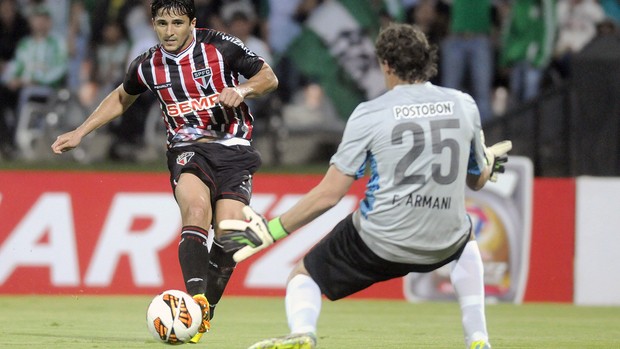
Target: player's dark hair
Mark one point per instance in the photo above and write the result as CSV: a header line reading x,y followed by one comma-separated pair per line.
x,y
177,7
406,50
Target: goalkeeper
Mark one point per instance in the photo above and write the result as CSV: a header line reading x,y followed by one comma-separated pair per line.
x,y
423,144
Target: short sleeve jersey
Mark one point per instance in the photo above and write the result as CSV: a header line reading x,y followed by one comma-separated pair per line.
x,y
419,142
187,84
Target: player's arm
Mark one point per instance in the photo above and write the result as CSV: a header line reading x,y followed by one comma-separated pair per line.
x,y
255,233
475,181
495,158
258,85
317,201
112,106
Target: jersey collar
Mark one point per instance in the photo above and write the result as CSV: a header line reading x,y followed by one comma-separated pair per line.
x,y
426,83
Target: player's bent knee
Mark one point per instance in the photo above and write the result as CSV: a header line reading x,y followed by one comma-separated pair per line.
x,y
299,269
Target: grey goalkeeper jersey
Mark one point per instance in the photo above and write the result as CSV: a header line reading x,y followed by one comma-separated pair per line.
x,y
419,141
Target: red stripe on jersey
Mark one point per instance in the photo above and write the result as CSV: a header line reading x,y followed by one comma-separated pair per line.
x,y
160,77
216,69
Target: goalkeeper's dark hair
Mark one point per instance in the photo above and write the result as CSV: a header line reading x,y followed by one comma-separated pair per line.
x,y
406,50
177,7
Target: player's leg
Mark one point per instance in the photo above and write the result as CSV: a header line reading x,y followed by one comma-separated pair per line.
x,y
193,198
339,265
235,169
221,267
467,279
221,264
303,306
302,301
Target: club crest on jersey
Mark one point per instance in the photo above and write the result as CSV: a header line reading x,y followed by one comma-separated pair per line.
x,y
202,76
184,158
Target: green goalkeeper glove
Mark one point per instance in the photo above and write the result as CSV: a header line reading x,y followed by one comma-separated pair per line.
x,y
497,157
251,235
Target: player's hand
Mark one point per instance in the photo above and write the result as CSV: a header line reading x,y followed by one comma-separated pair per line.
x,y
231,97
246,237
497,156
66,142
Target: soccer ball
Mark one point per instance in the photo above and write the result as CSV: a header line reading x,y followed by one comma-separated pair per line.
x,y
173,317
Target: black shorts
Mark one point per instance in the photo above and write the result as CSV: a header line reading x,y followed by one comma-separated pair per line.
x,y
226,170
342,264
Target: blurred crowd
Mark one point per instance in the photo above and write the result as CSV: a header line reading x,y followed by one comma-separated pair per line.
x,y
502,52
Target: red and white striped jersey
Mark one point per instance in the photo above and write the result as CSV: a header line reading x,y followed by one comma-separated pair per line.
x,y
187,83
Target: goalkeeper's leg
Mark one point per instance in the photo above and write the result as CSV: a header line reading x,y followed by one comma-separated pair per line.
x,y
221,267
303,305
467,279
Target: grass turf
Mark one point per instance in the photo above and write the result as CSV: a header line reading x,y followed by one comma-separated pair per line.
x,y
67,322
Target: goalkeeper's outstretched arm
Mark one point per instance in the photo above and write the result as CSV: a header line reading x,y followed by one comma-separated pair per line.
x,y
255,233
317,201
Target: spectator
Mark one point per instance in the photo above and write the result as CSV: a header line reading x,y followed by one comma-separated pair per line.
x,y
280,27
469,48
41,57
58,10
527,46
241,21
577,21
78,40
207,14
128,131
13,27
39,66
110,58
139,29
432,17
110,10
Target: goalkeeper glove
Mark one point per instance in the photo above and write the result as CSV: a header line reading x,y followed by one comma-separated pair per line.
x,y
497,157
251,235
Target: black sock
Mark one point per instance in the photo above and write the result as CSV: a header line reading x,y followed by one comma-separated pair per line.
x,y
194,258
221,267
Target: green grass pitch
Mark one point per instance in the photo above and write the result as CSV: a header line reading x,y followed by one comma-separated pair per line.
x,y
66,322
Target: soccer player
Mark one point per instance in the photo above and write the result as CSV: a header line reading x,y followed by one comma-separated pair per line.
x,y
194,73
423,144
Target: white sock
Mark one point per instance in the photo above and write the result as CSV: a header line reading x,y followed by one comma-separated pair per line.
x,y
467,277
303,304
